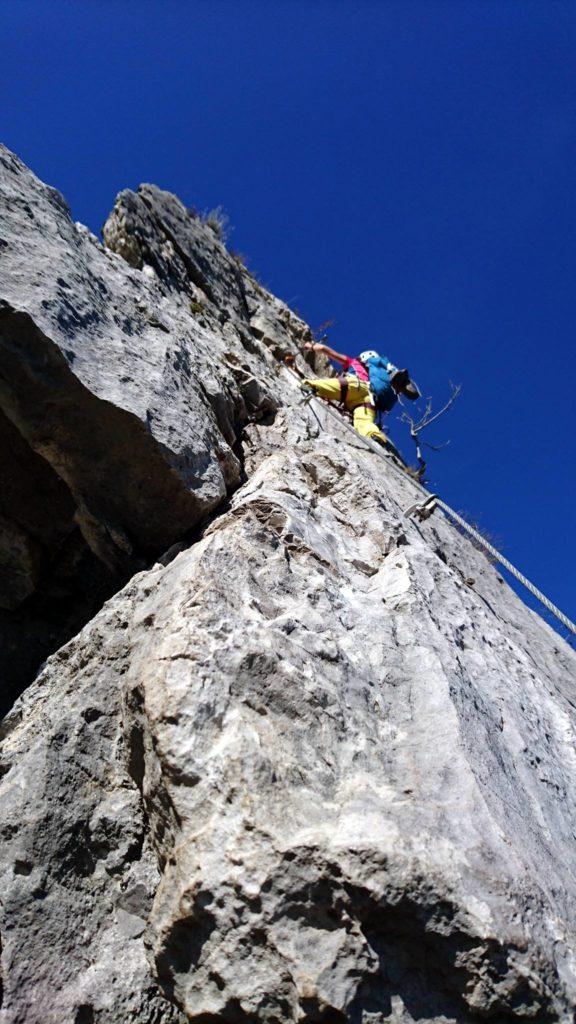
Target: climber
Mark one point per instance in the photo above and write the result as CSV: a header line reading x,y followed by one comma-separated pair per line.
x,y
369,385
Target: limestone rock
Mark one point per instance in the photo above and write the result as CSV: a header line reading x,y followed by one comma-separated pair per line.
x,y
121,408
340,778
317,763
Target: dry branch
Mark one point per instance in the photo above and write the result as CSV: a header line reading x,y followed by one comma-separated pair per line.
x,y
429,417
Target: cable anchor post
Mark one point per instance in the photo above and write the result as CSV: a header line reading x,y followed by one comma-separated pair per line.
x,y
421,510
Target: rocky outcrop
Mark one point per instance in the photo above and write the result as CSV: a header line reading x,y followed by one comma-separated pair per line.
x,y
123,396
317,767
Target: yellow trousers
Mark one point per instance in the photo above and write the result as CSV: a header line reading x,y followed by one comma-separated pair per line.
x,y
359,401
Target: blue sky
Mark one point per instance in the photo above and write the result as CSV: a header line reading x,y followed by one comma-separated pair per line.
x,y
406,168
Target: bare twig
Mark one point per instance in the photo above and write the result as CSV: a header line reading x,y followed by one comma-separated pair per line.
x,y
416,427
428,418
436,447
321,332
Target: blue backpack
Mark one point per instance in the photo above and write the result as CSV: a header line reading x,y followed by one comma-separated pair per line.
x,y
380,384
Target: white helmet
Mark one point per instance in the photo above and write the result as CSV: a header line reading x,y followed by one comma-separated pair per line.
x,y
369,354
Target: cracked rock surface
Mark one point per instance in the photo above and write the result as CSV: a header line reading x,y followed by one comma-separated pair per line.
x,y
319,767
123,394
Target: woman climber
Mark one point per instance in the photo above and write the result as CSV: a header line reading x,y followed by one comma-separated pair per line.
x,y
369,385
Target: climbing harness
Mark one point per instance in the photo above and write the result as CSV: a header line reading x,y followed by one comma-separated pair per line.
x,y
343,382
427,503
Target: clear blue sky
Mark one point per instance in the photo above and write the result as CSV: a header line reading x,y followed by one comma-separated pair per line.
x,y
406,167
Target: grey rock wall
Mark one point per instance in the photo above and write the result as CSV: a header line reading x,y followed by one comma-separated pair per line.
x,y
122,398
318,767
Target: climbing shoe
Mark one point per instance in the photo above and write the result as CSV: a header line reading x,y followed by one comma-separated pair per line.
x,y
394,454
416,474
385,444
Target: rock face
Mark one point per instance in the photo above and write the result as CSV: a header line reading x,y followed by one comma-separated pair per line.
x,y
317,767
123,396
